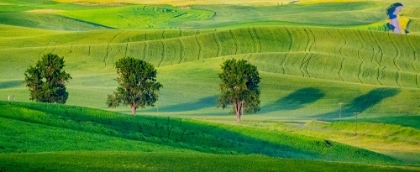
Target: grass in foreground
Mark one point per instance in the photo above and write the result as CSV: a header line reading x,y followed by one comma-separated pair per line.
x,y
140,161
34,127
397,141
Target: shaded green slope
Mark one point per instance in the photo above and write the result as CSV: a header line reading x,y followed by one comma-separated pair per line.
x,y
144,16
29,127
48,21
42,14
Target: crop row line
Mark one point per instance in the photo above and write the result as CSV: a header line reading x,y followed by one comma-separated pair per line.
x,y
342,54
360,57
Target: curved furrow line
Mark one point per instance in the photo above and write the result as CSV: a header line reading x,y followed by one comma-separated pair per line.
x,y
304,63
258,40
175,55
288,52
162,54
405,62
374,59
340,71
415,61
116,54
181,52
312,43
415,54
368,40
397,79
219,44
46,48
42,51
380,60
373,53
248,57
236,42
54,47
291,38
310,56
112,39
145,49
163,34
109,48
126,50
360,57
254,44
274,36
282,63
199,47
307,50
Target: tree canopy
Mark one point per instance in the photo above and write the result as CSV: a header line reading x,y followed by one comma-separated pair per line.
x,y
239,87
137,84
46,80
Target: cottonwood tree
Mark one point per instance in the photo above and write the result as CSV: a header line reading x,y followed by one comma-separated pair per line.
x,y
239,87
137,84
46,80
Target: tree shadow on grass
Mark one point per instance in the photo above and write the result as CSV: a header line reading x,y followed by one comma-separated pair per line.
x,y
407,121
361,103
189,106
186,134
295,100
11,84
166,131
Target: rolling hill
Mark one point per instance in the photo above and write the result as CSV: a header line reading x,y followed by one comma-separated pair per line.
x,y
312,56
29,129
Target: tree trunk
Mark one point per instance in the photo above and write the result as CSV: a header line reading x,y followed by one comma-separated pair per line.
x,y
133,109
238,110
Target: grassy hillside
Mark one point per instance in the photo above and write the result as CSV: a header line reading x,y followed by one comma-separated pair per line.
x,y
312,55
368,71
91,15
400,141
162,133
30,129
86,16
137,161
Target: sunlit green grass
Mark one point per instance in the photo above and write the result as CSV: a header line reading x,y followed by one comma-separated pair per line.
x,y
333,65
139,161
310,57
79,17
44,128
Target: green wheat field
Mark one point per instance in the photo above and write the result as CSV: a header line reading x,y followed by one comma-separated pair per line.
x,y
339,91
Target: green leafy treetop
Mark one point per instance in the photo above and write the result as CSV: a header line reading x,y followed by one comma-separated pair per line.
x,y
137,84
239,87
46,80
